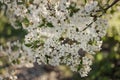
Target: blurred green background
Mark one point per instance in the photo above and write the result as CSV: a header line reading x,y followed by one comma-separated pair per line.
x,y
107,62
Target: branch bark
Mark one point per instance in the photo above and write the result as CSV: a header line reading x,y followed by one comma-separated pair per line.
x,y
113,3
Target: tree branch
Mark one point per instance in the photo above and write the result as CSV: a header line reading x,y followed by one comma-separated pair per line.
x,y
103,11
113,3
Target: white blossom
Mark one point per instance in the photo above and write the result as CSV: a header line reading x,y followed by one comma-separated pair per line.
x,y
58,35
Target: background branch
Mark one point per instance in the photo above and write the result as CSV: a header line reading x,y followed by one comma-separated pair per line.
x,y
103,10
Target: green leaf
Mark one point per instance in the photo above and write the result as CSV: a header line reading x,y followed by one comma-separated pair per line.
x,y
49,24
28,45
26,21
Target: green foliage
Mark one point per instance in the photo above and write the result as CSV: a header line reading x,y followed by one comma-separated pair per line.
x,y
35,44
72,9
8,33
45,23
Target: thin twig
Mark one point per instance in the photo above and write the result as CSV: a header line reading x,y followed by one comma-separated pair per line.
x,y
103,11
109,6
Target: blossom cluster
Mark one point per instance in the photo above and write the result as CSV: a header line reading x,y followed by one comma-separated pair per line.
x,y
59,33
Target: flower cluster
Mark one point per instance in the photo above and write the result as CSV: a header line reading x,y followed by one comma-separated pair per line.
x,y
59,33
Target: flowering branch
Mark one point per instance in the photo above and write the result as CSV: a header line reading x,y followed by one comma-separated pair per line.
x,y
57,32
103,10
111,5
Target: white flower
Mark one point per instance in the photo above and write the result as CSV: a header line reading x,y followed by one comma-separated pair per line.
x,y
56,32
